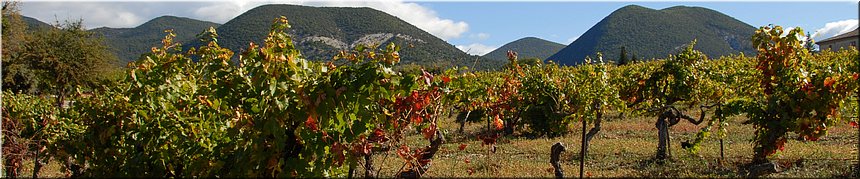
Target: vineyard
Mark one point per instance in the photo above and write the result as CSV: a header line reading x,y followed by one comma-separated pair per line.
x,y
269,112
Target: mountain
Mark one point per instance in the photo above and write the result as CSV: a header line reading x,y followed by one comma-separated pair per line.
x,y
321,32
129,43
648,33
34,24
529,47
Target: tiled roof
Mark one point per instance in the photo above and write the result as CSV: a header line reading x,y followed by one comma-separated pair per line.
x,y
853,33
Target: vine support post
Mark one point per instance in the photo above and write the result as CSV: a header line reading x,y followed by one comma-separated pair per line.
x,y
368,165
351,171
489,128
722,154
555,155
2,162
37,163
668,141
663,138
583,149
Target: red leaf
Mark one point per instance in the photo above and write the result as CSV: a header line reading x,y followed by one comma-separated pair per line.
x,y
414,94
810,138
446,79
462,146
781,144
273,163
631,99
853,124
417,119
489,139
403,152
368,148
337,151
311,123
512,55
828,82
429,132
498,123
378,136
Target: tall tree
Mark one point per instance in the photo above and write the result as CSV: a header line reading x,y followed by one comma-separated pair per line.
x,y
18,74
68,56
809,43
622,59
633,58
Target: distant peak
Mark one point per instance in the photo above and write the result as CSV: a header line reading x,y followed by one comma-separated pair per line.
x,y
633,6
534,39
530,38
169,19
264,8
166,17
632,9
682,7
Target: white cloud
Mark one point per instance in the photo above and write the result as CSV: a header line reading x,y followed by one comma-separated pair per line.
x,y
570,40
834,28
480,36
222,12
476,48
94,14
420,16
131,14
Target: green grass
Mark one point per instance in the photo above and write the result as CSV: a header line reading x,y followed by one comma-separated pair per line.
x,y
623,148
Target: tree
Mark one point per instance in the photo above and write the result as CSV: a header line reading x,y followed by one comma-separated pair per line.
x,y
68,56
622,59
633,59
18,74
809,43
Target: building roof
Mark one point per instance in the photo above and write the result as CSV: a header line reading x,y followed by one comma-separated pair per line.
x,y
851,34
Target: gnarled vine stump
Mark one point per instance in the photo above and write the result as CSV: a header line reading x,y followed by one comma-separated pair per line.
x,y
667,119
429,152
555,154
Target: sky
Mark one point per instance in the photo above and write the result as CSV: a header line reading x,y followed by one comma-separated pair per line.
x,y
476,26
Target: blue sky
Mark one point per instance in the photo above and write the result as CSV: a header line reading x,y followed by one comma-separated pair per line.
x,y
477,27
562,22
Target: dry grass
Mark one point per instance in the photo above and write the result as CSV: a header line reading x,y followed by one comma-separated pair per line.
x,y
623,148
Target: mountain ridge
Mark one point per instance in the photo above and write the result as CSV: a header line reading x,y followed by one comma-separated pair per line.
x,y
648,33
129,43
527,47
321,32
34,24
